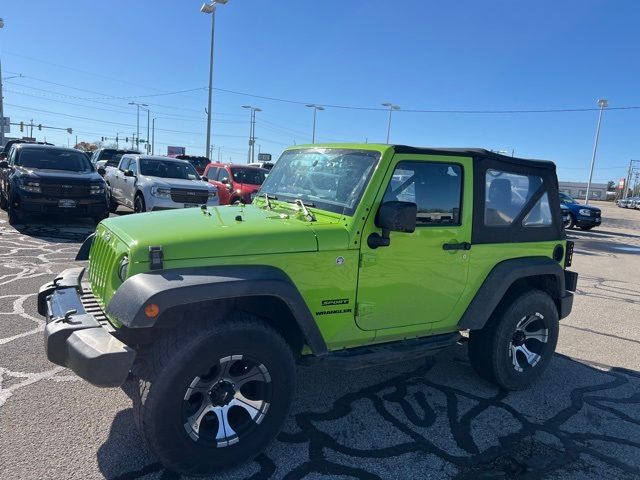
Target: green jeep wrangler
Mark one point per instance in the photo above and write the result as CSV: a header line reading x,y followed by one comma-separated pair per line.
x,y
355,254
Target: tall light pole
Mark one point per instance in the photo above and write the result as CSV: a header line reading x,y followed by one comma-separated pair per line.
x,y
147,145
138,105
252,132
315,109
210,8
1,101
153,136
602,103
391,108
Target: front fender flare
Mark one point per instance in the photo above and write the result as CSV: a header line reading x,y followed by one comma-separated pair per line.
x,y
172,288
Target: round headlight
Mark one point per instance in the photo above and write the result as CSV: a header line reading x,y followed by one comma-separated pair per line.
x,y
123,269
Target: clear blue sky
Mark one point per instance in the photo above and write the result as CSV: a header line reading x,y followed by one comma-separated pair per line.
x,y
466,54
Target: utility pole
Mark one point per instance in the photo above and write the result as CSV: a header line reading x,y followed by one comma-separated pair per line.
x,y
148,149
252,132
138,105
153,136
628,180
602,103
218,154
1,100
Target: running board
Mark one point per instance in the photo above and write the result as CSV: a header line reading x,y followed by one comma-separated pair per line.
x,y
370,356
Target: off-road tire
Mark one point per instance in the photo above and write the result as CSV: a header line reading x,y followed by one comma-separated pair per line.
x,y
572,222
490,348
139,205
163,373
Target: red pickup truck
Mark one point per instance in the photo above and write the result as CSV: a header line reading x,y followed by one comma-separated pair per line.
x,y
236,183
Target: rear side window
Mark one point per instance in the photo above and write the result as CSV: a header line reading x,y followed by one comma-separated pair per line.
x,y
435,188
506,196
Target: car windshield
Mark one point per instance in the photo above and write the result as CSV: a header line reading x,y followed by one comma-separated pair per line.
x,y
168,169
54,159
252,176
330,179
113,157
564,198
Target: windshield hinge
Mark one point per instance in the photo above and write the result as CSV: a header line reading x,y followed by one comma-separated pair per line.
x,y
155,257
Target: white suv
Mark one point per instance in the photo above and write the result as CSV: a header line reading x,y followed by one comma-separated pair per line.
x,y
148,183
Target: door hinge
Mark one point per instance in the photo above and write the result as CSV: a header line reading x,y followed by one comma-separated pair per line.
x,y
363,309
367,259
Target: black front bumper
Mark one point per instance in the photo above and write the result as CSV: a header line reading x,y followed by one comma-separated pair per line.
x,y
38,203
78,335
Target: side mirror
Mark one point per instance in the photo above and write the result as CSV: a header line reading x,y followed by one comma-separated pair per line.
x,y
4,164
393,217
128,173
102,171
204,178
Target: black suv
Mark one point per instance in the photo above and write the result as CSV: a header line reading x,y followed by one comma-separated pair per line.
x,y
47,179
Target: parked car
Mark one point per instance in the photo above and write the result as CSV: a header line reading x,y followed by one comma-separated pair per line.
x,y
584,217
4,153
265,165
109,157
46,179
633,202
236,183
149,183
205,314
199,163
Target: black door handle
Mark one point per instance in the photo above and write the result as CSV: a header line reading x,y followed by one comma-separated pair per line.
x,y
457,246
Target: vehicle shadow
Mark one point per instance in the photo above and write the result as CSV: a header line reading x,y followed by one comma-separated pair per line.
x,y
56,229
434,418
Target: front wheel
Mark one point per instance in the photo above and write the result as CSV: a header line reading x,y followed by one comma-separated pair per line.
x,y
138,204
572,221
518,342
214,395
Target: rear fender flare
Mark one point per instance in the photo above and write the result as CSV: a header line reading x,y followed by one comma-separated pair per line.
x,y
500,279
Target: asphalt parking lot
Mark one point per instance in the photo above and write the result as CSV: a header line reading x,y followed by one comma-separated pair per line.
x,y
429,419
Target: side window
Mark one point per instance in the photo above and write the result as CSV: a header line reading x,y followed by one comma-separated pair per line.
x,y
124,163
12,156
436,188
540,214
506,195
222,173
94,157
133,166
213,173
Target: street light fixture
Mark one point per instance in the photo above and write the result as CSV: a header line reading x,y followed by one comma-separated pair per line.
x,y
315,109
138,105
210,9
391,108
602,103
252,132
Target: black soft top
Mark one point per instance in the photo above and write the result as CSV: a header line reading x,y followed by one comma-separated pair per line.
x,y
477,154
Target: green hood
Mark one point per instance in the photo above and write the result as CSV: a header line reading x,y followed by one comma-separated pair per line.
x,y
219,232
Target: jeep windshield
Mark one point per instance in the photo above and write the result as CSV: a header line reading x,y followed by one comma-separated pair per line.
x,y
327,178
182,170
53,159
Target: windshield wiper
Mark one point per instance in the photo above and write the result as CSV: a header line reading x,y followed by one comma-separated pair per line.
x,y
303,206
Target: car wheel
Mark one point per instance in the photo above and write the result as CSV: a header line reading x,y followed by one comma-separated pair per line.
x,y
113,205
518,342
572,221
14,215
3,202
139,204
214,394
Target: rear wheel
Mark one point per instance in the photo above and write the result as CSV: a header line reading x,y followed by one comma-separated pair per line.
x,y
518,342
572,221
214,396
139,204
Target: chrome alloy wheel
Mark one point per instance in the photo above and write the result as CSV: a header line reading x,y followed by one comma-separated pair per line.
x,y
528,342
228,402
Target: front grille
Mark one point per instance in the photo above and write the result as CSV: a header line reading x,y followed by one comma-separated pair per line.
x,y
91,306
102,266
183,195
64,190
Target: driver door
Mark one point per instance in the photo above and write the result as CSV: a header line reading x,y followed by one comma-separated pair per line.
x,y
416,280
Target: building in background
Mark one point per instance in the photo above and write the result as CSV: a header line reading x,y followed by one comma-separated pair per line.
x,y
578,190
